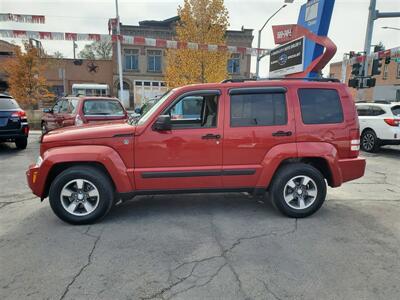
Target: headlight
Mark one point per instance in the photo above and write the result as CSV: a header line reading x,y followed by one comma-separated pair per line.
x,y
39,161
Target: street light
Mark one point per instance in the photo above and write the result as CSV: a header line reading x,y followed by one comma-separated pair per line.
x,y
259,39
388,27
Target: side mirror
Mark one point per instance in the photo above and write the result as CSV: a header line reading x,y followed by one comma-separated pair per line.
x,y
138,110
162,123
48,110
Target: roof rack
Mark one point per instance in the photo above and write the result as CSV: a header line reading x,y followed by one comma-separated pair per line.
x,y
281,78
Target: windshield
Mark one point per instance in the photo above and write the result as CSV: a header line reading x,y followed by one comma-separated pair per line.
x,y
146,115
396,110
103,107
8,103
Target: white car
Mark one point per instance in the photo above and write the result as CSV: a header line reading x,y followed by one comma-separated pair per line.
x,y
379,124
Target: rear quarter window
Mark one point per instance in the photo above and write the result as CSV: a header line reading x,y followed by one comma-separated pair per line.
x,y
8,103
320,106
103,108
396,110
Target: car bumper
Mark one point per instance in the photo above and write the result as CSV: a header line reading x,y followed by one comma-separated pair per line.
x,y
35,181
352,168
11,135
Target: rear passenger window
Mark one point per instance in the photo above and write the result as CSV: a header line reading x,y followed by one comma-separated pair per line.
x,y
320,106
363,110
264,109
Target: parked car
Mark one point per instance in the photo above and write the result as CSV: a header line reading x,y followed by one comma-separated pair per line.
x,y
71,111
379,124
14,125
290,137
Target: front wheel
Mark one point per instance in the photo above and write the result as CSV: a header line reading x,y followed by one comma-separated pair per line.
x,y
298,190
81,195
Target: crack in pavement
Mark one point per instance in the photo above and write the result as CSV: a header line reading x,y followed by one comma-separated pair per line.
x,y
267,288
223,254
89,261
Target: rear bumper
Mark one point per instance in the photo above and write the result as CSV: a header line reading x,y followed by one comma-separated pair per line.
x,y
11,135
352,168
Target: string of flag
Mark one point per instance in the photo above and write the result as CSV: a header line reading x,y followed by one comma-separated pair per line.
x,y
392,53
128,40
8,17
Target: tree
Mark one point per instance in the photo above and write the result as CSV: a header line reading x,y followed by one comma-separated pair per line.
x,y
202,22
26,81
97,50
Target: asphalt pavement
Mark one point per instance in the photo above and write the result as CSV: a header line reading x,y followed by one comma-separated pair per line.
x,y
213,246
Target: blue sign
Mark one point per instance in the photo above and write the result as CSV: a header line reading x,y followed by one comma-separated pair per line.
x,y
315,15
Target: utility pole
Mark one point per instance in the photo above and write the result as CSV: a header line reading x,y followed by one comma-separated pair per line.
x,y
74,45
119,51
259,57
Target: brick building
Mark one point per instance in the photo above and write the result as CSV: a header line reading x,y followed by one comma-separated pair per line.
x,y
144,66
7,50
387,83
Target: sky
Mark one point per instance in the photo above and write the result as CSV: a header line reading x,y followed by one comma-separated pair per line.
x,y
347,28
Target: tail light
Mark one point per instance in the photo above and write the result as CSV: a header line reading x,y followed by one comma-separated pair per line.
x,y
78,120
19,114
354,142
392,122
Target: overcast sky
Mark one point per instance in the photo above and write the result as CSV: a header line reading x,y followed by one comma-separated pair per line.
x,y
347,28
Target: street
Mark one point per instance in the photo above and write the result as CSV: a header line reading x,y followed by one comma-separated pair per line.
x,y
213,246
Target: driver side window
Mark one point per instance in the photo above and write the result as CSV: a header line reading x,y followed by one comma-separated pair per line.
x,y
194,112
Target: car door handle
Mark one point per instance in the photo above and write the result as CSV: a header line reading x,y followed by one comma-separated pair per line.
x,y
282,133
211,136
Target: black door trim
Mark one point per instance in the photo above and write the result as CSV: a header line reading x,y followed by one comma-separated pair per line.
x,y
230,172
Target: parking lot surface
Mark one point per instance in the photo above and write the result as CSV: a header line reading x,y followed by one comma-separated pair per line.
x,y
213,246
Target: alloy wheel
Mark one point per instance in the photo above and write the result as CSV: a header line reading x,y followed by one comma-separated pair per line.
x,y
79,197
300,192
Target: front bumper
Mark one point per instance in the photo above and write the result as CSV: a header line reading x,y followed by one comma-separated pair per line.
x,y
352,168
35,181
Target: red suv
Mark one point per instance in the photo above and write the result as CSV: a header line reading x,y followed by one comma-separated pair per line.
x,y
290,137
81,110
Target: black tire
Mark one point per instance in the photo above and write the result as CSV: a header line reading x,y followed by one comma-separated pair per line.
x,y
279,187
43,127
94,176
369,142
21,143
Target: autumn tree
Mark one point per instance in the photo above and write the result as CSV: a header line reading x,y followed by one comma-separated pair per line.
x,y
26,80
97,50
202,22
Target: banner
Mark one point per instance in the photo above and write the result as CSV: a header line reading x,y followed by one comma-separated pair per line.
x,y
129,40
22,18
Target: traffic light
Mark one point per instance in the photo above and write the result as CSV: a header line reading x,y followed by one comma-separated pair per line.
x,y
370,82
387,60
353,83
376,66
355,69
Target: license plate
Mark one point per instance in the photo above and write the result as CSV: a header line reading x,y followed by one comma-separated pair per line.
x,y
3,122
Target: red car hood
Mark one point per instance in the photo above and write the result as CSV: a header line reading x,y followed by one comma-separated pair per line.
x,y
86,132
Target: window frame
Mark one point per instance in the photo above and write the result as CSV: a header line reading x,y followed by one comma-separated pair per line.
x,y
258,90
135,55
325,123
215,93
153,56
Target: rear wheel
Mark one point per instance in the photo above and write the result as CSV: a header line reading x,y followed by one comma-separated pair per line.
x,y
21,143
369,141
298,190
81,195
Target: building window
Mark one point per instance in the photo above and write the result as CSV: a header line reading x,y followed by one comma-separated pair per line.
x,y
385,71
234,64
154,60
131,57
398,70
